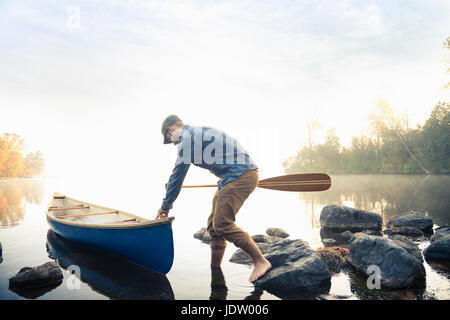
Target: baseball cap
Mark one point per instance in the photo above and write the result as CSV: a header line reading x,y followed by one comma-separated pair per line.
x,y
169,121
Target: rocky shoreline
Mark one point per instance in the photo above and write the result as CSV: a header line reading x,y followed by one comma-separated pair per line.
x,y
356,242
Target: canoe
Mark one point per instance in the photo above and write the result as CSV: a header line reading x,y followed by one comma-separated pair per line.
x,y
148,243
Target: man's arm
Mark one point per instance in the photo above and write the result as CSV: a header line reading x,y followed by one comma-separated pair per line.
x,y
174,185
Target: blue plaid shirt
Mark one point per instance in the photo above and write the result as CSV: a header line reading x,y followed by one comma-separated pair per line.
x,y
210,149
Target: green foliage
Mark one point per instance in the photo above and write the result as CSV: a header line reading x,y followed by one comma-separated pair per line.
x,y
12,161
392,147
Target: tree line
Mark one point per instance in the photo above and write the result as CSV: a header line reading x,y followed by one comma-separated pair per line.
x,y
13,161
390,147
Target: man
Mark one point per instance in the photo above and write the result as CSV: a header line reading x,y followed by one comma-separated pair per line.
x,y
222,155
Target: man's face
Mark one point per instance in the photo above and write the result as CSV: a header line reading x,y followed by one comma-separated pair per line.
x,y
169,132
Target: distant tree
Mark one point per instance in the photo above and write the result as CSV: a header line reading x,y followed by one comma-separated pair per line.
x,y
12,162
436,138
392,148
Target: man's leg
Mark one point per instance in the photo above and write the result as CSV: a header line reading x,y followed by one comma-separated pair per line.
x,y
229,200
217,243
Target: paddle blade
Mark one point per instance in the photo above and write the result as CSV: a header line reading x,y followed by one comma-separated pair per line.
x,y
303,182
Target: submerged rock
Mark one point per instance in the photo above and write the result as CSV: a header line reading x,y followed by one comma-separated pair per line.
x,y
202,235
300,279
439,249
440,233
297,271
405,231
46,277
414,219
241,257
265,239
277,232
341,218
398,267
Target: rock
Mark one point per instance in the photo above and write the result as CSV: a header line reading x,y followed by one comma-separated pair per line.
x,y
47,276
340,238
206,237
341,218
297,271
414,219
399,268
405,231
408,245
438,250
328,242
199,234
241,257
277,232
265,239
303,278
334,258
1,250
202,235
440,233
286,251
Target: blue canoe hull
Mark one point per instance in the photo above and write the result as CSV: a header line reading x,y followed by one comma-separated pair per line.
x,y
150,246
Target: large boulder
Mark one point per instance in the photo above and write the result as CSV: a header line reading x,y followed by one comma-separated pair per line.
x,y
300,279
297,271
398,268
405,231
408,245
440,233
32,282
438,250
341,218
414,219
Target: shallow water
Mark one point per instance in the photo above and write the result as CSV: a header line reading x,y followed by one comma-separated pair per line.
x,y
26,240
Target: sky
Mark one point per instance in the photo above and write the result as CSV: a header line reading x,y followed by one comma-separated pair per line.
x,y
89,82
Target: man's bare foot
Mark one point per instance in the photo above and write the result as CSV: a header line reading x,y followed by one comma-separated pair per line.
x,y
260,269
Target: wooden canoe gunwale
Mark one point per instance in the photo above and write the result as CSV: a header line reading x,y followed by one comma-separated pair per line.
x,y
111,225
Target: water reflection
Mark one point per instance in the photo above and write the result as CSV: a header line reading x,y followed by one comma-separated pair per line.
x,y
14,196
107,273
387,195
358,286
219,288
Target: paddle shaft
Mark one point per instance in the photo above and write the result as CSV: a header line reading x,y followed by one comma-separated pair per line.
x,y
293,182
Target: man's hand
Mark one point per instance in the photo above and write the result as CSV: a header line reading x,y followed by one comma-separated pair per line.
x,y
162,214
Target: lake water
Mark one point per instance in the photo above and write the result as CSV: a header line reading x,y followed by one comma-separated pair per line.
x,y
26,240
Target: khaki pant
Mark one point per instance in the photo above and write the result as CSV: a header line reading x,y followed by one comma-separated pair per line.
x,y
226,204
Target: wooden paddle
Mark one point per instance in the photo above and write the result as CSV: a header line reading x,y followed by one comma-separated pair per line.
x,y
303,182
